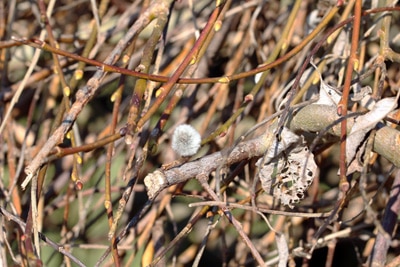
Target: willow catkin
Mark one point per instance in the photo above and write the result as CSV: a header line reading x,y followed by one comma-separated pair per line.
x,y
186,140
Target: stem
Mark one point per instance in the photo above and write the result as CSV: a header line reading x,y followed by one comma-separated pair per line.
x,y
342,106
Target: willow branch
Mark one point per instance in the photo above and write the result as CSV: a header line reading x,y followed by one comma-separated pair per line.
x,y
312,119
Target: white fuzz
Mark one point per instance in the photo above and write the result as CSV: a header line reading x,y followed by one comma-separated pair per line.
x,y
186,140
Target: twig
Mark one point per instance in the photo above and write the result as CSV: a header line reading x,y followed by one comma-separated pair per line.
x,y
144,66
260,210
22,225
342,106
83,96
203,181
189,59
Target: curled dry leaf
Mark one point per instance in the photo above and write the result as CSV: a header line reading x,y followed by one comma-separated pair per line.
x,y
328,95
367,122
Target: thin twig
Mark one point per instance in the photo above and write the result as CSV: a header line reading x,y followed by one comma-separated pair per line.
x,y
342,105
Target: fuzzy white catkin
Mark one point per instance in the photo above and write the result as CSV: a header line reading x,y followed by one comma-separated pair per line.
x,y
186,140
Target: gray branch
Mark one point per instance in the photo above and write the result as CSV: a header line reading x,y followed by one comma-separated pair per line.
x,y
312,119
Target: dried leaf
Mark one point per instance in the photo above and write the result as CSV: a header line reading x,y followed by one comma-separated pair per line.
x,y
283,249
327,94
286,139
313,19
365,123
341,44
288,177
363,96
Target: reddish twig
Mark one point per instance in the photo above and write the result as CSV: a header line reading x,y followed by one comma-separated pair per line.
x,y
342,106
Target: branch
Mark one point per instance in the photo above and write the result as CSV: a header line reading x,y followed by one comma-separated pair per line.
x,y
158,180
312,118
315,118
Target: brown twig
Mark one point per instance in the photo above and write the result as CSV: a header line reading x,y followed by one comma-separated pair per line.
x,y
84,95
342,106
203,178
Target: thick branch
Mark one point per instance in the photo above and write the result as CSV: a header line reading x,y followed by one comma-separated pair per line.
x,y
315,118
312,119
159,180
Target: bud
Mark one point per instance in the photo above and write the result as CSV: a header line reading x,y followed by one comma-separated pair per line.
x,y
186,140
